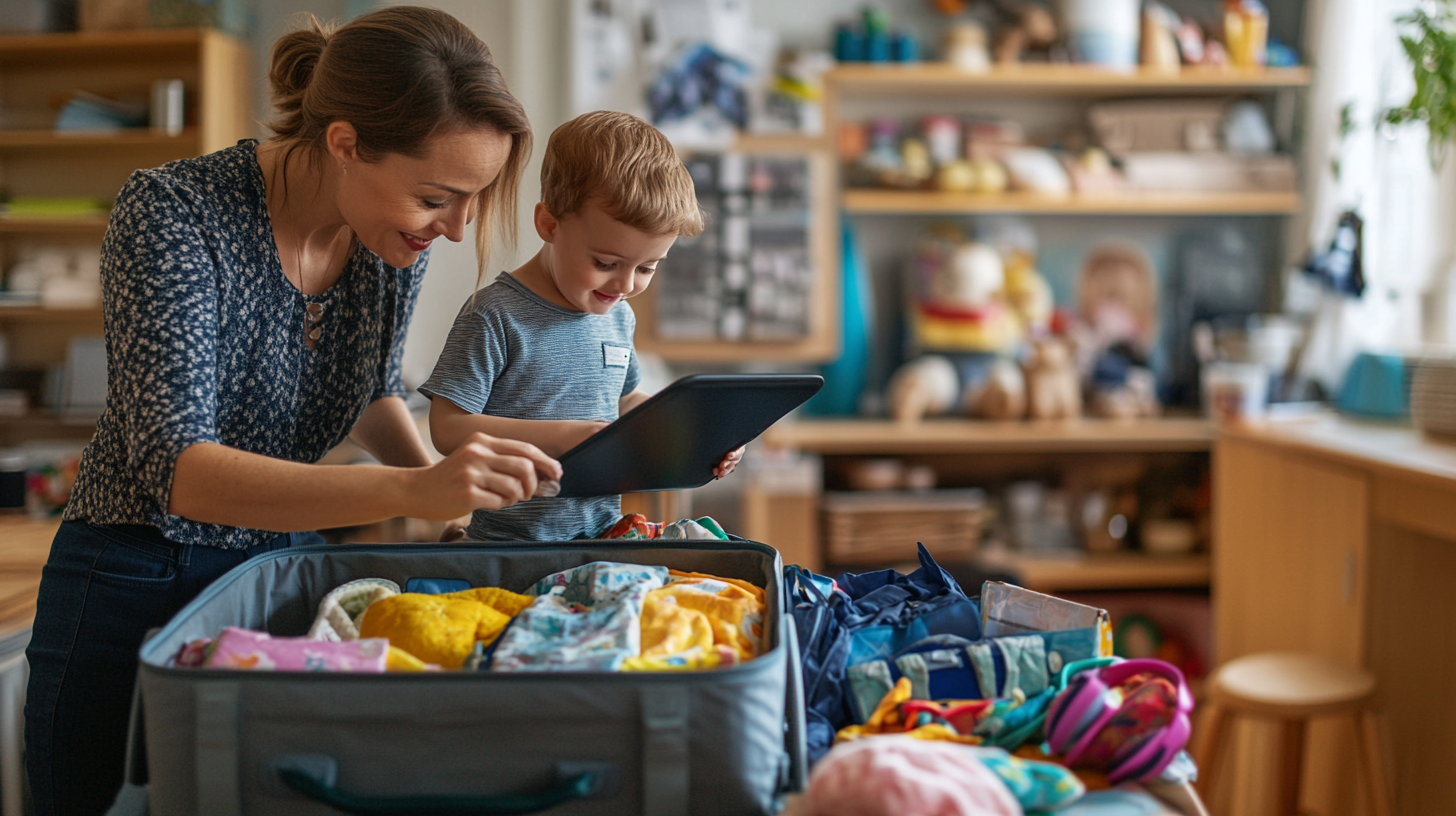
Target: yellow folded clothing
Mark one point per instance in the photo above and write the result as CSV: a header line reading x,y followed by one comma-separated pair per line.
x,y
733,608
442,629
699,621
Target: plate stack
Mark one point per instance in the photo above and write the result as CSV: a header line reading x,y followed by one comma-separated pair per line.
x,y
1433,395
862,528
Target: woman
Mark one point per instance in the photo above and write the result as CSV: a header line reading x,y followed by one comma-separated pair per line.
x,y
256,306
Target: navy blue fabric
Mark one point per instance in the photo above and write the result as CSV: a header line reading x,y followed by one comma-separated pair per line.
x,y
875,614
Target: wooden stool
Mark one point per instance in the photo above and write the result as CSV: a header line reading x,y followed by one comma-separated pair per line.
x,y
1292,688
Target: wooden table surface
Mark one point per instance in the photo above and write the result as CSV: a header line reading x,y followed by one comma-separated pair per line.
x,y
24,546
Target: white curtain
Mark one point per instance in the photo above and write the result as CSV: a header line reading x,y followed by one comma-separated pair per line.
x,y
1384,175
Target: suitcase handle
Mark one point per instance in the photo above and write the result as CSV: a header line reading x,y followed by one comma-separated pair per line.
x,y
317,783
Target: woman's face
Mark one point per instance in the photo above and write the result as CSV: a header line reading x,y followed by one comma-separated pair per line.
x,y
399,204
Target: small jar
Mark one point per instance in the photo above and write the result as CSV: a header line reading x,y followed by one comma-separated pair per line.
x,y
1246,32
943,137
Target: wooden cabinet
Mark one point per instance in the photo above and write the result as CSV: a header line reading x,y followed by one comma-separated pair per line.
x,y
1290,559
37,73
1339,538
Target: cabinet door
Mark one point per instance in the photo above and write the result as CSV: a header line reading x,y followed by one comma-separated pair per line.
x,y
1289,554
1289,575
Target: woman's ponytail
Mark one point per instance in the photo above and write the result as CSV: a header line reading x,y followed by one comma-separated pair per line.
x,y
295,57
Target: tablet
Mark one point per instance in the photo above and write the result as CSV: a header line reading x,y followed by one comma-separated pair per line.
x,y
675,439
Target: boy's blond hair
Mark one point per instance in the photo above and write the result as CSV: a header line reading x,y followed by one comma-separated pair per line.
x,y
626,164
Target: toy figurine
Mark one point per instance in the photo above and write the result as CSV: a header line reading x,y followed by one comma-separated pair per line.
x,y
1052,387
974,311
980,385
1116,326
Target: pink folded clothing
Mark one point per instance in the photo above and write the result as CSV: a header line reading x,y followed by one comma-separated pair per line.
x,y
895,775
245,649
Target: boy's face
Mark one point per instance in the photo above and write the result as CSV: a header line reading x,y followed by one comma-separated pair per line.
x,y
597,260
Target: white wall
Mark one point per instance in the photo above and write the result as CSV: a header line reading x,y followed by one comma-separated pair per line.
x,y
527,39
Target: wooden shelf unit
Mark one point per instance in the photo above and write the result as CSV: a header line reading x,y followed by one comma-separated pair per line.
x,y
48,314
917,202
961,436
66,140
54,225
1085,572
80,47
35,72
1081,80
821,343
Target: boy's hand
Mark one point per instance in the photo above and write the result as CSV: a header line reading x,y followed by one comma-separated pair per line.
x,y
729,462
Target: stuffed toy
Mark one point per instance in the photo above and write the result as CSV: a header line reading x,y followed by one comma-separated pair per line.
x,y
1052,387
1115,329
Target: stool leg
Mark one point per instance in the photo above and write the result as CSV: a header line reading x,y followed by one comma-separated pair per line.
x,y
1367,736
1292,765
1208,749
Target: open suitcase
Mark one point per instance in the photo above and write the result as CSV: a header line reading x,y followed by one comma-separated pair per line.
x,y
225,742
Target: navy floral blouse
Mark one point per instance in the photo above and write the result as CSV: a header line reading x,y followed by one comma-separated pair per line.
x,y
205,342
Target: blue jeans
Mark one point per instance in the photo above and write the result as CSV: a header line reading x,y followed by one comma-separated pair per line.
x,y
103,588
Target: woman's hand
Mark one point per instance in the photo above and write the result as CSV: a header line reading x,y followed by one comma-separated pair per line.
x,y
729,462
484,473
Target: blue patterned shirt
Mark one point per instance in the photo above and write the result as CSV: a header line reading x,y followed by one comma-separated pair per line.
x,y
204,342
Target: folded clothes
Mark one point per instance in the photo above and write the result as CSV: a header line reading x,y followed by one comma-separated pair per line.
x,y
636,525
244,649
339,611
602,616
442,629
587,618
699,621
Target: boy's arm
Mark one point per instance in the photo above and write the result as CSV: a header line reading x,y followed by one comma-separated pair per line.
x,y
451,426
631,400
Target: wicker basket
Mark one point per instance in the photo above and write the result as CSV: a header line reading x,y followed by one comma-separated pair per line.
x,y
883,528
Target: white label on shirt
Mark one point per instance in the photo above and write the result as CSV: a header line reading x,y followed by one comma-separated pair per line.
x,y
615,356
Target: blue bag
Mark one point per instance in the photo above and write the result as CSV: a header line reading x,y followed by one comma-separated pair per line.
x,y
865,617
946,667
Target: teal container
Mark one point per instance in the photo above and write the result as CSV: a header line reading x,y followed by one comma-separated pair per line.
x,y
1376,386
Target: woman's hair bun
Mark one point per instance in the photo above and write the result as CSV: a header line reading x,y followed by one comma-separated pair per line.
x,y
295,56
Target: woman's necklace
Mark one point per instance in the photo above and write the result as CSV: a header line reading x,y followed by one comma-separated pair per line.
x,y
313,313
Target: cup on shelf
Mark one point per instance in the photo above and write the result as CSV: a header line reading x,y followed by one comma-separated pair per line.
x,y
1234,392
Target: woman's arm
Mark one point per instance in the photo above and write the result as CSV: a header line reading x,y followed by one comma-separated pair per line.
x,y
216,484
451,426
388,432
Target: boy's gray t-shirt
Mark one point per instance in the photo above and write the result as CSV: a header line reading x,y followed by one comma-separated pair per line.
x,y
514,354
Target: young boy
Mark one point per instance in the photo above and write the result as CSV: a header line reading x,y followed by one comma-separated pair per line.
x,y
544,354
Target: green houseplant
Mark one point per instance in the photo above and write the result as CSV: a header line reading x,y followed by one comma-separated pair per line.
x,y
1430,44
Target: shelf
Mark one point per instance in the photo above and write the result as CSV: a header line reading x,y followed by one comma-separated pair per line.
x,y
44,314
912,202
778,143
55,224
135,137
960,436
93,46
939,77
1087,572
